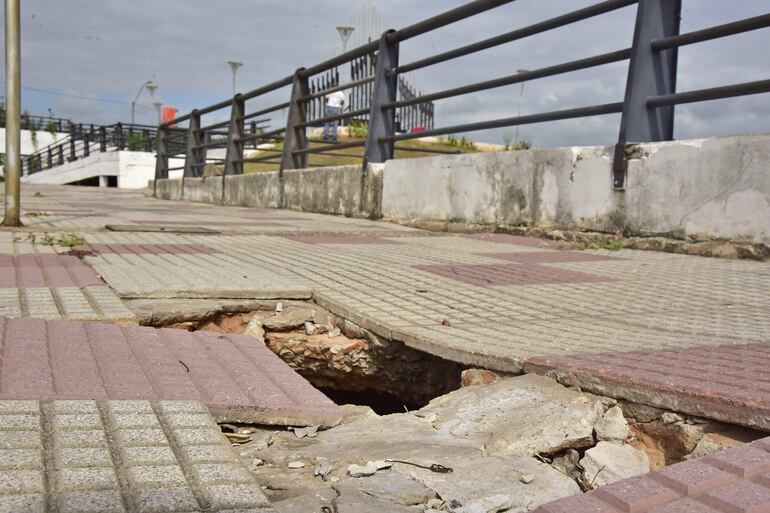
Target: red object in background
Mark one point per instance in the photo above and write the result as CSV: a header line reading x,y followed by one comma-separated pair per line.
x,y
418,129
168,114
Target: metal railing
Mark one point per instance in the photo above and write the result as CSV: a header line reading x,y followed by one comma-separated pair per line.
x,y
47,123
647,109
84,140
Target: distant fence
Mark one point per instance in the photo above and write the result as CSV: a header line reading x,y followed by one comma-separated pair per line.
x,y
647,110
83,140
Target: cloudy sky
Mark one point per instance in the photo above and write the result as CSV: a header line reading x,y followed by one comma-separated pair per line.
x,y
107,48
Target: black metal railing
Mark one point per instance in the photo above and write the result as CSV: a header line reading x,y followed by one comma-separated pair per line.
x,y
35,123
85,139
378,98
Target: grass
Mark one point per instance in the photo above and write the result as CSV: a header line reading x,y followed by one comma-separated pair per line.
x,y
357,154
65,240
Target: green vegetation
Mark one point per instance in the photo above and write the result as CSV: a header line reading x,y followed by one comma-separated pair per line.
x,y
510,145
65,240
38,194
463,143
354,156
611,244
138,141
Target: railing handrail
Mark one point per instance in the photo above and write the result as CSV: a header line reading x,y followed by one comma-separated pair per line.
x,y
647,108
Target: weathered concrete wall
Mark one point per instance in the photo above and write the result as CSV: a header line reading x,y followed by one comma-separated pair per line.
x,y
718,187
333,190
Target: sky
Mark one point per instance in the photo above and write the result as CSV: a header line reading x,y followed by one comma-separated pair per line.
x,y
108,49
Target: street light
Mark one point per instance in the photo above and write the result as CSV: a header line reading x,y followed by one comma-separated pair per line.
x,y
150,87
345,33
234,67
521,95
157,107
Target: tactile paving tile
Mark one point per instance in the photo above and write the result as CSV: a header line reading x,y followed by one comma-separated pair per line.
x,y
236,376
121,457
45,270
338,239
489,275
549,257
732,481
729,383
148,249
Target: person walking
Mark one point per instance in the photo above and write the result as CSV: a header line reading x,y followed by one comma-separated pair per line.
x,y
334,103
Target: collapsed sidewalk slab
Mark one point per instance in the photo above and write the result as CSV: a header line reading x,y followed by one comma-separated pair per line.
x,y
236,376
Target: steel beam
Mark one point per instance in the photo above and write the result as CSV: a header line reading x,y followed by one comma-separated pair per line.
x,y
382,121
234,154
650,74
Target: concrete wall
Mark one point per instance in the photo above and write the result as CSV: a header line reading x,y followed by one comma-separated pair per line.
x,y
27,148
718,187
133,169
332,190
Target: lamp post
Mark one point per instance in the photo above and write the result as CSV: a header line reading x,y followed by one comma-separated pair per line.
x,y
12,114
234,65
150,87
521,95
345,33
157,107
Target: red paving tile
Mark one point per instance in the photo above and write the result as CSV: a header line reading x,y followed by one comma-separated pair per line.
x,y
45,270
509,274
729,383
238,378
338,239
148,249
697,486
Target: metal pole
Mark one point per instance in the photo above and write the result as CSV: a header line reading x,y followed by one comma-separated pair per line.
x,y
12,114
521,96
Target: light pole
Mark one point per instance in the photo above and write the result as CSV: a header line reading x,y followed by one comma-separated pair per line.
x,y
12,115
521,95
345,35
150,87
234,65
157,107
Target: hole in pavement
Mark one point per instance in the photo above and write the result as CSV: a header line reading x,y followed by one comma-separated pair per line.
x,y
349,364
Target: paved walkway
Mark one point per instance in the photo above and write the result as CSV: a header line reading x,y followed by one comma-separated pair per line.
x,y
734,481
117,456
493,300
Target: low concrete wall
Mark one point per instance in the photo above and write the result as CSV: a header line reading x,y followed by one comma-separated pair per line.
x,y
718,187
332,190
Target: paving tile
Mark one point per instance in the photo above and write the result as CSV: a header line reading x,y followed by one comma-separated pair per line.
x,y
120,473
239,379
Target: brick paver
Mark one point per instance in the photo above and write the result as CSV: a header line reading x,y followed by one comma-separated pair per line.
x,y
730,383
492,300
733,481
237,377
119,456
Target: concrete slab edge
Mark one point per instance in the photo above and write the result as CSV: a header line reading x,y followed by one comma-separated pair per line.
x,y
712,408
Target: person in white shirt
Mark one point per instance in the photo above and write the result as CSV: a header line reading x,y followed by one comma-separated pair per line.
x,y
334,103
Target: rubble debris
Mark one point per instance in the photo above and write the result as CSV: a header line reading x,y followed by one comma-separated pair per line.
x,y
472,377
609,462
612,427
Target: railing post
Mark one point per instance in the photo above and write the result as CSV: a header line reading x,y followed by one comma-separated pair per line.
x,y
119,139
235,132
73,155
382,123
146,140
650,73
161,158
194,140
295,137
86,144
60,149
50,157
102,139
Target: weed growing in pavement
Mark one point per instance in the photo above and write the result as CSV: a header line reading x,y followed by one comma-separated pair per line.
x,y
37,214
65,240
38,194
